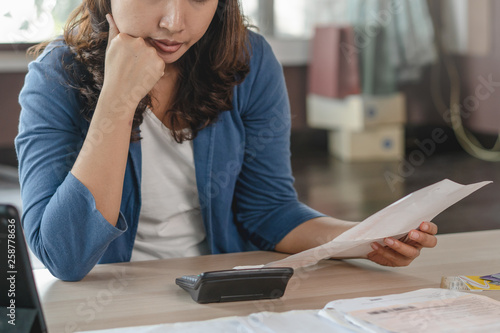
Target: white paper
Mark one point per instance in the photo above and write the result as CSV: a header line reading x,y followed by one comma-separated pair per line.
x,y
264,322
396,220
425,310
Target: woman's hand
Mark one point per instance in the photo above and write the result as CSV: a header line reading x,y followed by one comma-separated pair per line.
x,y
132,67
403,252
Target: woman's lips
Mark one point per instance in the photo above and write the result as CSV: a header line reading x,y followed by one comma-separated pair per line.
x,y
166,46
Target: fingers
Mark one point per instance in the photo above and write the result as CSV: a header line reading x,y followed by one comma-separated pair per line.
x,y
422,239
113,29
395,253
424,236
387,257
429,228
402,252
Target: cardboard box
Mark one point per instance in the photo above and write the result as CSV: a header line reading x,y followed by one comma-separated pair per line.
x,y
333,71
355,112
375,144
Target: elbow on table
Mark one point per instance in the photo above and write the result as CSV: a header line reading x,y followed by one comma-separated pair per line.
x,y
68,273
66,268
62,263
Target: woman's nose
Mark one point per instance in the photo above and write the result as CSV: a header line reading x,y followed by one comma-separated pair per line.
x,y
173,16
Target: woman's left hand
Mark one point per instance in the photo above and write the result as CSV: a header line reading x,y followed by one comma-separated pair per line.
x,y
403,252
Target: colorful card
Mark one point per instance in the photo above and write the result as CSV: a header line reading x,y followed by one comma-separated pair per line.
x,y
470,282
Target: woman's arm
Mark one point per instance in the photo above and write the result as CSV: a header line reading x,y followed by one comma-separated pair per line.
x,y
132,69
395,252
313,233
69,222
266,204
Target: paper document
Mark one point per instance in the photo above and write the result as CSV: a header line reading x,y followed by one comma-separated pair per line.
x,y
261,322
396,220
425,310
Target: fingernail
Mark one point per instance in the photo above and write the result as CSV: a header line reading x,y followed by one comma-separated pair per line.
x,y
389,241
424,227
374,246
414,235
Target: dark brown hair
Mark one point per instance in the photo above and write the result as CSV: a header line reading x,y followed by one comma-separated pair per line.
x,y
208,71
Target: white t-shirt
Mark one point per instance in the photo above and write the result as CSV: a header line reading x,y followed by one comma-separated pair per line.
x,y
170,221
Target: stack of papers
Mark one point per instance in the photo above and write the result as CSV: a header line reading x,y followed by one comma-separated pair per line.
x,y
262,322
425,310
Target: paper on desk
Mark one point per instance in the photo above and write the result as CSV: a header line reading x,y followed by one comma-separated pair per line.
x,y
261,322
396,220
424,310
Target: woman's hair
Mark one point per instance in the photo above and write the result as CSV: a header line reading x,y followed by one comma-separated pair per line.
x,y
208,71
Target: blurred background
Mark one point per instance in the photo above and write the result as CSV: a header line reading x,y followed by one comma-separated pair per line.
x,y
386,97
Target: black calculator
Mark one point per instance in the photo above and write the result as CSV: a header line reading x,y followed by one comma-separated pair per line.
x,y
236,284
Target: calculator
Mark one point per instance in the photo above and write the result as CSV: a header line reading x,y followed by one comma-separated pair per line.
x,y
236,284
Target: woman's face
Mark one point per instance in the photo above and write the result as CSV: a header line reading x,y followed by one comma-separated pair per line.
x,y
170,26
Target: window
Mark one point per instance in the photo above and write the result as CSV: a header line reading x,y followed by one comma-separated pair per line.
x,y
293,19
31,21
297,18
250,10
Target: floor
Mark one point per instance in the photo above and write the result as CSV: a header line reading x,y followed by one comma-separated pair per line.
x,y
354,191
9,186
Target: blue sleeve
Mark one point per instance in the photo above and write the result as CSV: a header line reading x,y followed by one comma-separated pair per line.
x,y
266,202
60,220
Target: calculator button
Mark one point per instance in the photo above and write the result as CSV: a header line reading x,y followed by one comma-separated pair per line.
x,y
190,278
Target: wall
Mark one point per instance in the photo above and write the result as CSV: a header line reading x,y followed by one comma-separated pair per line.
x,y
487,116
421,110
481,63
10,85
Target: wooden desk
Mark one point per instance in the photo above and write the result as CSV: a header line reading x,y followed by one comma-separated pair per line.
x,y
144,293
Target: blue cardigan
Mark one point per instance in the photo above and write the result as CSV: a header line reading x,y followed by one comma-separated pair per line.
x,y
242,164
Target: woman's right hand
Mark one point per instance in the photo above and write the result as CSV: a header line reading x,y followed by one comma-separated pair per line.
x,y
132,67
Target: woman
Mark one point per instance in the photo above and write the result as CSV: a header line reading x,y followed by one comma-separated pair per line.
x,y
159,129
